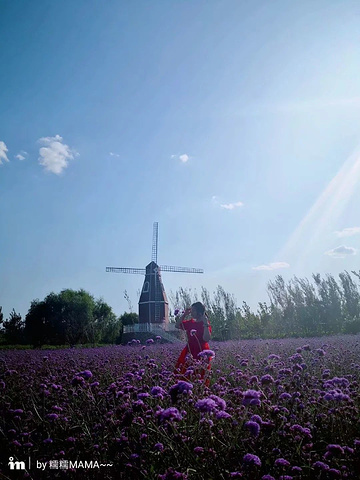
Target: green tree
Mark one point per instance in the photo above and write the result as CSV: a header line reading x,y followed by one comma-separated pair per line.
x,y
14,329
69,317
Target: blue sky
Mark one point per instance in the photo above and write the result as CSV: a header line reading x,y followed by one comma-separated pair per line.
x,y
235,125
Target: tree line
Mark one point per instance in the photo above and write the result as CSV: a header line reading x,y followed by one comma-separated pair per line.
x,y
70,317
298,307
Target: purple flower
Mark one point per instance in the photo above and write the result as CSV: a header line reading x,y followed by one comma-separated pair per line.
x,y
321,465
335,449
256,418
52,416
285,396
267,477
221,404
181,387
157,391
281,462
251,397
172,474
85,374
266,379
149,341
48,440
206,405
253,427
170,413
250,459
198,450
333,472
77,380
18,411
206,354
222,414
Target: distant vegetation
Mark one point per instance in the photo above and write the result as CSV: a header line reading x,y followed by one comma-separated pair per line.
x,y
297,308
67,318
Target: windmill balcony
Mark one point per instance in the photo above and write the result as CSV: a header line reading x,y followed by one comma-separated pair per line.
x,y
149,327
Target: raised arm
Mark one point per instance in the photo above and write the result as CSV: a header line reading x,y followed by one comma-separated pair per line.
x,y
182,318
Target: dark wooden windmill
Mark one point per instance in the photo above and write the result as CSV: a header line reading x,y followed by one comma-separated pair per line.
x,y
153,303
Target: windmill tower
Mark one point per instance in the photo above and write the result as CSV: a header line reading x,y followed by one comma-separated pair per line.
x,y
153,302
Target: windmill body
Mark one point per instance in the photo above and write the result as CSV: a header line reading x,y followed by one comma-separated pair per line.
x,y
153,302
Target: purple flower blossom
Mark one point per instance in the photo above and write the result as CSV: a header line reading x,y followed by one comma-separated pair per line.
x,y
251,397
281,462
256,418
206,354
250,459
181,387
321,465
206,405
267,477
335,449
221,404
266,379
170,414
77,380
253,427
222,414
198,450
285,396
157,391
52,416
85,374
172,474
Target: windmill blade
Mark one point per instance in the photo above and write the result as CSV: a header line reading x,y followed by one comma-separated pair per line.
x,y
125,270
155,242
167,268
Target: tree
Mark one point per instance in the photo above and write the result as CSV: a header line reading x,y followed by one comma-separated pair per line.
x,y
13,329
69,317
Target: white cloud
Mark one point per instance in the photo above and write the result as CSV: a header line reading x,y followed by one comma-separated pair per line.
x,y
231,206
22,155
184,157
55,154
272,266
114,154
341,252
347,232
3,150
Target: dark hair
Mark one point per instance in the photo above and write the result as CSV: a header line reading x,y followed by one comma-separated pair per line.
x,y
200,308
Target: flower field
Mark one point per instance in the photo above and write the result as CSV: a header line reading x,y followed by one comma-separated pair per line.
x,y
274,409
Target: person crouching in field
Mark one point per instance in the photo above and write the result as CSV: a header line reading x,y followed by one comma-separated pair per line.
x,y
198,332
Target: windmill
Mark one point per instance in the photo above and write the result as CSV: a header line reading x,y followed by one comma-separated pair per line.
x,y
153,303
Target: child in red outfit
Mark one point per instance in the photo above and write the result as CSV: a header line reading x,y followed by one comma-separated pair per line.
x,y
198,332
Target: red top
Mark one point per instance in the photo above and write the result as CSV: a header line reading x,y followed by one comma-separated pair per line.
x,y
196,341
